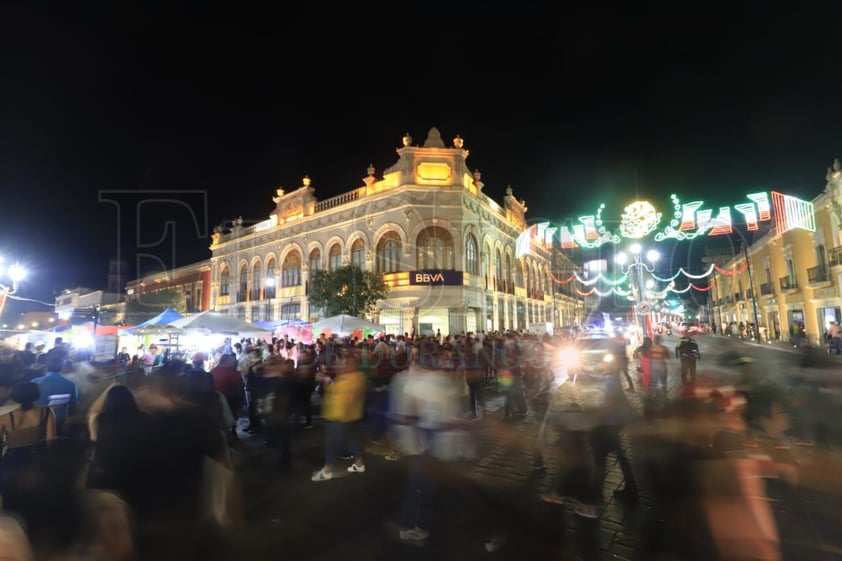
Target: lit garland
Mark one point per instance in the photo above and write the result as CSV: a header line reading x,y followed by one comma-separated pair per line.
x,y
556,280
737,272
618,290
659,295
685,273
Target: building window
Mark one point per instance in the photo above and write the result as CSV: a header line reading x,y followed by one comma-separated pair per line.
x,y
334,257
255,282
197,301
435,250
244,284
224,281
315,261
508,272
269,290
498,271
519,275
241,313
389,253
291,273
358,254
255,313
291,311
315,313
821,257
471,257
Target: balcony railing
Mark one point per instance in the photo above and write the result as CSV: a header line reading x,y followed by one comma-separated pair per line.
x,y
788,283
817,274
342,199
766,289
834,256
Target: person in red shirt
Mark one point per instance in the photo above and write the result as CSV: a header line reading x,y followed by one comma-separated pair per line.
x,y
228,381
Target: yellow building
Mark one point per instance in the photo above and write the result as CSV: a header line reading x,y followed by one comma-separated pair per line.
x,y
787,277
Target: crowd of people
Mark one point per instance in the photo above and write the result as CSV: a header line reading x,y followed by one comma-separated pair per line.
x,y
99,463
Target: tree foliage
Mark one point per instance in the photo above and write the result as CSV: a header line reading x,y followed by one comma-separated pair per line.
x,y
347,290
151,304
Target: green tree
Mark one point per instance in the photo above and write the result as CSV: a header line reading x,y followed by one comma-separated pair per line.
x,y
151,304
347,290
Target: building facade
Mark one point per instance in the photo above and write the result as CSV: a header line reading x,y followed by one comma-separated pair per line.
x,y
191,283
791,278
445,249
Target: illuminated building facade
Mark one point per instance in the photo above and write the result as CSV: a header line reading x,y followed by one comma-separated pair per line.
x,y
190,283
445,249
790,274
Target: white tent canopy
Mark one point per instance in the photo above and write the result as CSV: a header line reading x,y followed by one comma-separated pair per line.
x,y
215,322
345,325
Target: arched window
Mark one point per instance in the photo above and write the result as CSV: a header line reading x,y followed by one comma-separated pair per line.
x,y
519,275
315,260
291,272
244,284
335,257
530,280
486,266
269,291
498,271
435,249
389,253
224,281
508,275
255,282
471,257
358,253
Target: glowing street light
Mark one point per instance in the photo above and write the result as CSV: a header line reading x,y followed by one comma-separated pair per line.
x,y
14,273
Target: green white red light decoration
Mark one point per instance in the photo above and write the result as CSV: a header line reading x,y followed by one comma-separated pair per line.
x,y
689,221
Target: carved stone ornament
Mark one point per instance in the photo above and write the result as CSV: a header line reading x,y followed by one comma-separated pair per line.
x,y
407,139
458,142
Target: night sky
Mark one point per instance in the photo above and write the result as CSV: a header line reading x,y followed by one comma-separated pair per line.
x,y
216,108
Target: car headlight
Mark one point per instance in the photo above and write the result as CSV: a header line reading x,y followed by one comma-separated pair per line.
x,y
569,357
608,358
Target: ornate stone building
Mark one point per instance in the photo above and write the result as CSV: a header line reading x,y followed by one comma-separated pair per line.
x,y
445,249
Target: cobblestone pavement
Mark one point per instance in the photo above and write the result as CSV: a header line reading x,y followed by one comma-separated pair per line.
x,y
491,503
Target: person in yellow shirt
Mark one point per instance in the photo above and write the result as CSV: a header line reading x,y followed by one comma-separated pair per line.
x,y
342,407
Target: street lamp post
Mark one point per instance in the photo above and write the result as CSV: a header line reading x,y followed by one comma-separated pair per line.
x,y
642,305
14,273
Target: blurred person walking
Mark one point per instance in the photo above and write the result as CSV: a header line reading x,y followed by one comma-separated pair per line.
x,y
55,389
657,354
228,381
342,408
427,430
621,355
687,351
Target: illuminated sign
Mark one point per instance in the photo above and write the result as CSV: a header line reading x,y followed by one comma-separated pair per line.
x,y
434,278
689,221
